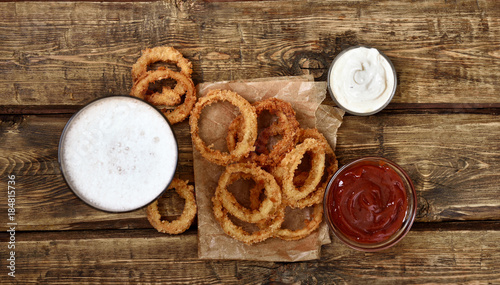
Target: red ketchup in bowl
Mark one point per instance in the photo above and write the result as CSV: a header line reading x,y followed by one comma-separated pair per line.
x,y
367,202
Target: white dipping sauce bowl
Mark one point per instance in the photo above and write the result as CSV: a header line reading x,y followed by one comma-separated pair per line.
x,y
362,80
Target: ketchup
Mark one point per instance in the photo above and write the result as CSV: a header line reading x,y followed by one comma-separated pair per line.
x,y
367,202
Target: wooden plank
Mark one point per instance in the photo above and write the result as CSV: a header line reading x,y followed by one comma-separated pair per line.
x,y
478,108
146,256
451,158
68,53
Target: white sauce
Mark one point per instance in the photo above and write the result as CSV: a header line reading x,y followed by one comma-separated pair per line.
x,y
118,154
362,80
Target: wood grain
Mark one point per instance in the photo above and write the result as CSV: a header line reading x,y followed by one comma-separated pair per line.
x,y
451,158
146,256
442,127
68,53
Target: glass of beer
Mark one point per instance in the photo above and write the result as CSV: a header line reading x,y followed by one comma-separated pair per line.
x,y
118,153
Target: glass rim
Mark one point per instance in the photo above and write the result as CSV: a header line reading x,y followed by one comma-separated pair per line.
x,y
332,94
410,213
60,147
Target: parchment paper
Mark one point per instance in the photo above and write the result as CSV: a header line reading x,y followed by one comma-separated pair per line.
x,y
305,95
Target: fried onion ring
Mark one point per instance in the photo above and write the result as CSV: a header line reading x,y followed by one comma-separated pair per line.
x,y
287,125
271,189
266,231
249,127
164,54
311,225
185,220
181,111
285,172
331,166
168,96
255,191
141,88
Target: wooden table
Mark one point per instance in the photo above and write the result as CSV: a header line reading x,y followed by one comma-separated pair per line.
x,y
443,127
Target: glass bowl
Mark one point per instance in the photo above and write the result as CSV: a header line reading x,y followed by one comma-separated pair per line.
x,y
332,206
346,108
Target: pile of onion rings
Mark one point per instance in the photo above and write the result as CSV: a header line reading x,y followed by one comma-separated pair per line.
x,y
290,168
182,223
169,97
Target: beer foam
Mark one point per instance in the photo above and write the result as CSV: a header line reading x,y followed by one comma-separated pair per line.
x,y
118,153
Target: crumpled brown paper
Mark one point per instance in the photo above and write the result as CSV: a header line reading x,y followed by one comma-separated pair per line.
x,y
305,95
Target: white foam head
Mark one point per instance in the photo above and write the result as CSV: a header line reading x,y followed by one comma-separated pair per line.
x,y
118,153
